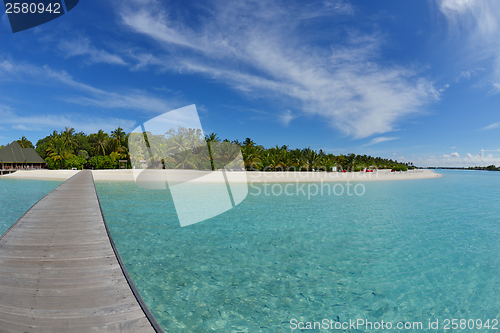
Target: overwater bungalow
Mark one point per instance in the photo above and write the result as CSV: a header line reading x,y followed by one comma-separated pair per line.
x,y
14,157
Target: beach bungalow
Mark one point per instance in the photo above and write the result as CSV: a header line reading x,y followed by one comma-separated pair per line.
x,y
14,157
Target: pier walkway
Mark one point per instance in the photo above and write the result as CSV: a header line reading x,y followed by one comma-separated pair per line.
x,y
60,271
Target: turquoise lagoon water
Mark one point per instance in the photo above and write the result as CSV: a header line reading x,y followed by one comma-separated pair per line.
x,y
18,195
405,251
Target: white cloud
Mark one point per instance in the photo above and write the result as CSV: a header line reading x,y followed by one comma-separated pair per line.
x,y
452,155
146,59
86,94
154,22
477,22
21,127
259,48
286,117
50,122
492,126
446,86
380,139
478,16
469,74
454,160
83,47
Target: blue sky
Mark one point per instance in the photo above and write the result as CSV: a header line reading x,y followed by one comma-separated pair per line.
x,y
410,80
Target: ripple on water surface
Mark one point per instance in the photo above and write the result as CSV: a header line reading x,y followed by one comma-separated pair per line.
x,y
18,195
404,251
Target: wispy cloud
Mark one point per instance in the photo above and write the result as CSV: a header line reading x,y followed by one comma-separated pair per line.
x,y
286,117
492,126
86,94
379,140
478,17
477,23
260,49
83,47
469,74
48,122
139,14
21,127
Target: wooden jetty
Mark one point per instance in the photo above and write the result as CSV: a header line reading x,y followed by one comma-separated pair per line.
x,y
60,271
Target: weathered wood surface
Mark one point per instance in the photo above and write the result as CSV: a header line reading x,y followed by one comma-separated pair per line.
x,y
59,271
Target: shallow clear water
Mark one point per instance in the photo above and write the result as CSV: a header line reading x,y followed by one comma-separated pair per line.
x,y
18,195
405,251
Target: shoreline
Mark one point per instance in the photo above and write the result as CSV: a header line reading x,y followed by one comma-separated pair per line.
x,y
234,176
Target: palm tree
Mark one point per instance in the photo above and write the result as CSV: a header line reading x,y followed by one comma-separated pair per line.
x,y
296,159
157,150
311,158
115,156
177,143
212,140
322,163
59,150
68,136
185,160
225,155
118,136
123,152
119,143
340,161
99,142
250,156
269,160
349,160
25,143
285,158
212,137
248,142
354,162
138,149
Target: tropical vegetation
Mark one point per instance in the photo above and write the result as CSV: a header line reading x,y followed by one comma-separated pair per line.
x,y
69,149
185,148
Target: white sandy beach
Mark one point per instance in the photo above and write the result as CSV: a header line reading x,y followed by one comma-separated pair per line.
x,y
234,176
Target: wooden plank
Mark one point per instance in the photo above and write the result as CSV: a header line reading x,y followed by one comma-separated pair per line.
x,y
60,271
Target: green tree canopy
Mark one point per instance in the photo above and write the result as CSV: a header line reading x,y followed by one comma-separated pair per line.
x,y
25,143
